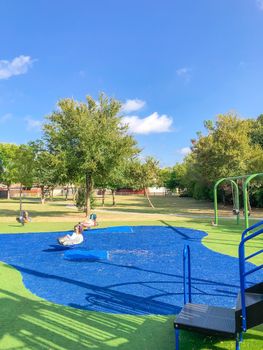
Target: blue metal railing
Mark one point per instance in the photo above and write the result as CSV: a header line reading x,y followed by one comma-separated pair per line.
x,y
187,266
247,230
242,269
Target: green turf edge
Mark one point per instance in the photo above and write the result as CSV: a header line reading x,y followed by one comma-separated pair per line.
x,y
28,322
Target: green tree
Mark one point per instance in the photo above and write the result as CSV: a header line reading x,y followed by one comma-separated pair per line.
x,y
226,150
257,131
173,178
144,174
24,168
8,154
47,168
118,178
91,137
164,177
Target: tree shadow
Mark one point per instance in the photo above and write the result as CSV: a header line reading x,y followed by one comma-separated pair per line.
x,y
40,325
177,230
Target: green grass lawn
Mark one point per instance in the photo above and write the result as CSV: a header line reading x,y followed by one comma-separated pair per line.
x,y
28,322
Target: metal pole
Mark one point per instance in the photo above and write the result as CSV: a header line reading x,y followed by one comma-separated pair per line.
x,y
177,339
215,199
184,273
236,198
20,200
189,275
245,194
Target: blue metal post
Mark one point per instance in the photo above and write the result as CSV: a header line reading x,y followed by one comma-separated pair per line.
x,y
242,284
189,275
184,273
177,339
242,271
237,342
186,255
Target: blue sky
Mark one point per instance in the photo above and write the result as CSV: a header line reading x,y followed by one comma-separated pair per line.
x,y
173,64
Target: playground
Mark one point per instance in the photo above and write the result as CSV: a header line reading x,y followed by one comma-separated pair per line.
x,y
131,175
128,300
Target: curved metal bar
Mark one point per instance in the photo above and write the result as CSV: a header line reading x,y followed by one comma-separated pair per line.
x,y
247,178
236,194
245,196
260,223
242,269
215,199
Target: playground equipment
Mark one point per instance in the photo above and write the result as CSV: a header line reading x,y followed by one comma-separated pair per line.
x,y
236,210
187,262
23,218
91,222
225,322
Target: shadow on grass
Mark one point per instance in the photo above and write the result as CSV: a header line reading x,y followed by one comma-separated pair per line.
x,y
35,213
40,325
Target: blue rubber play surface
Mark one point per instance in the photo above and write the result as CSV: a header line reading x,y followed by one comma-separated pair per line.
x,y
142,273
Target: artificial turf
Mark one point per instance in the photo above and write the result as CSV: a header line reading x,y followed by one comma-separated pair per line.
x,y
28,322
140,274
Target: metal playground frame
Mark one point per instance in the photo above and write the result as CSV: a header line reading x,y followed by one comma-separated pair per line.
x,y
233,180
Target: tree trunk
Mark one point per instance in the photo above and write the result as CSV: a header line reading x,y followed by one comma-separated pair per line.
x,y
103,197
74,193
148,198
248,203
42,194
66,198
8,192
223,199
52,194
113,197
20,200
89,186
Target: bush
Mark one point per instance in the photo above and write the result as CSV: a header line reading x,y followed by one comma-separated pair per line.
x,y
201,191
256,198
81,199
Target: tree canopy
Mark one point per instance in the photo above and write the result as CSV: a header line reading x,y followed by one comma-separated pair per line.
x,y
91,138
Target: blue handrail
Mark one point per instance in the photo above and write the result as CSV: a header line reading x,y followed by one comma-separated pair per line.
x,y
251,228
242,270
187,259
254,254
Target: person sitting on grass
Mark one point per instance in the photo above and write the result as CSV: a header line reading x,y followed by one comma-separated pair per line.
x,y
23,218
75,238
90,221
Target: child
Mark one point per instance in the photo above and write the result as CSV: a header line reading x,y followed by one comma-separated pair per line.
x,y
24,218
89,222
75,238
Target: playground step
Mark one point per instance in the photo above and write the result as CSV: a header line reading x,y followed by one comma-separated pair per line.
x,y
207,319
256,288
254,309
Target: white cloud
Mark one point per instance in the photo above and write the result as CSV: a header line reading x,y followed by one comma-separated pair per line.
x,y
33,124
132,105
154,123
19,65
5,118
185,150
184,73
260,4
